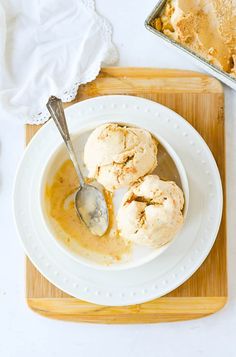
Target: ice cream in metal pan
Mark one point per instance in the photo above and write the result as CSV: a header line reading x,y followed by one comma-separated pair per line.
x,y
205,30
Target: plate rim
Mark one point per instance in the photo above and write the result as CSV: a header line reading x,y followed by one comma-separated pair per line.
x,y
147,101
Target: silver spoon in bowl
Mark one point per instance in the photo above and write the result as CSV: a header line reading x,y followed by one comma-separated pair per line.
x,y
90,203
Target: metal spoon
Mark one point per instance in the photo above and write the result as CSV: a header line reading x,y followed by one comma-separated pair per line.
x,y
89,201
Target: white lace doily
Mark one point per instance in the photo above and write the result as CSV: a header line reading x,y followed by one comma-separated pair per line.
x,y
49,48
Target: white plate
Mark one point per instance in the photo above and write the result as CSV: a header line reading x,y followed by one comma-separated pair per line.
x,y
167,271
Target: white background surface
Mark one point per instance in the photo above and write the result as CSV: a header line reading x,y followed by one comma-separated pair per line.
x,y
24,333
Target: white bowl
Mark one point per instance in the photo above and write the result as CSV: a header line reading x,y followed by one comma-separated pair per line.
x,y
140,255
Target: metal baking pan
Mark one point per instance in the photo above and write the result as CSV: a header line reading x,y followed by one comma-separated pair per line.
x,y
216,72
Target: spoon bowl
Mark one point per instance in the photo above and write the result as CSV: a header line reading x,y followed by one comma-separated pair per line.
x,y
91,206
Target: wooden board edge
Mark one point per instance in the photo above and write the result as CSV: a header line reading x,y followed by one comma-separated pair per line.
x,y
211,84
71,311
176,309
160,72
30,131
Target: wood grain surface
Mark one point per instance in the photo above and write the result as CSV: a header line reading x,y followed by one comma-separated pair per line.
x,y
199,99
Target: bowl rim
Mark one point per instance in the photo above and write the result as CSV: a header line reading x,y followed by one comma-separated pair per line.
x,y
129,264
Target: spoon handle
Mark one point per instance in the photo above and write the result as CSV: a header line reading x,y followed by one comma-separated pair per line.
x,y
56,110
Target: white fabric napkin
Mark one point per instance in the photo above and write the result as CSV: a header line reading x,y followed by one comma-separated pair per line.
x,y
48,47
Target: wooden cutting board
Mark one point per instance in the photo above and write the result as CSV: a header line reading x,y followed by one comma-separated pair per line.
x,y
199,99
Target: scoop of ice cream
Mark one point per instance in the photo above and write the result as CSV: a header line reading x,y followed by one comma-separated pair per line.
x,y
207,27
151,212
117,156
